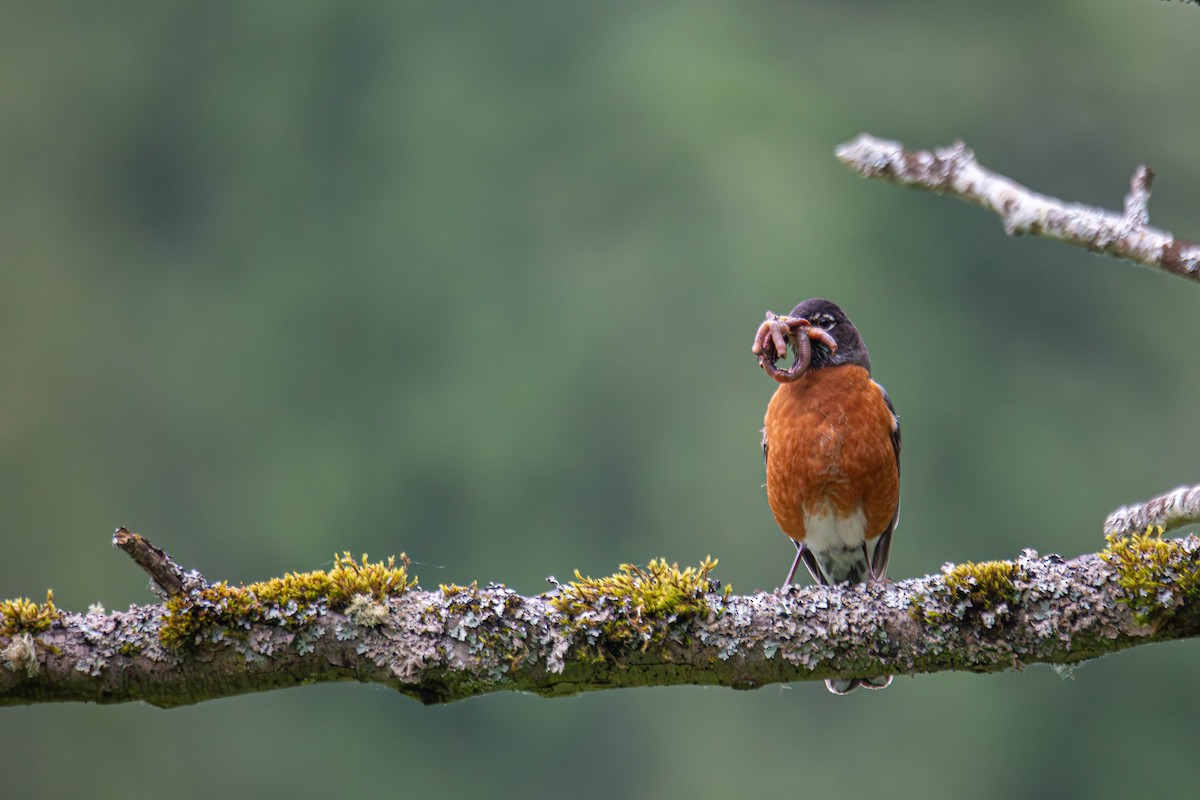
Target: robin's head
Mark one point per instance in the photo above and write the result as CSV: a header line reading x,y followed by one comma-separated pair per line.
x,y
831,319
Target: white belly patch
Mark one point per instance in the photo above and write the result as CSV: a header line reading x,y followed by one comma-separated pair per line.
x,y
836,542
824,531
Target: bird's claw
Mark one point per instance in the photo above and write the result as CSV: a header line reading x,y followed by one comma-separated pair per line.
x,y
771,343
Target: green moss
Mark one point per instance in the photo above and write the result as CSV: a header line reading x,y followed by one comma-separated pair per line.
x,y
1154,573
129,649
984,588
290,601
379,580
635,604
988,583
22,615
460,599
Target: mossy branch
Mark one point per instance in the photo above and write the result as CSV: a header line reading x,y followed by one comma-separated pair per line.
x,y
644,626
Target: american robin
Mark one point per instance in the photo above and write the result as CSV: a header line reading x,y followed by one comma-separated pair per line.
x,y
831,440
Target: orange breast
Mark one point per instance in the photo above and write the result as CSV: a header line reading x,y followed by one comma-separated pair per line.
x,y
829,447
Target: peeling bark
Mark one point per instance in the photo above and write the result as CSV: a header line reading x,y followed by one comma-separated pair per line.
x,y
460,642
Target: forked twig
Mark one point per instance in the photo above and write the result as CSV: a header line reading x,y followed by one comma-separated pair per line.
x,y
954,171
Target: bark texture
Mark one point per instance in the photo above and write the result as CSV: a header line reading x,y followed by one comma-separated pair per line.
x,y
458,642
1168,511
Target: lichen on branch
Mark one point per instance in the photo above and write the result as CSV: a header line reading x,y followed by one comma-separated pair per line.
x,y
987,589
294,600
652,625
1157,576
637,605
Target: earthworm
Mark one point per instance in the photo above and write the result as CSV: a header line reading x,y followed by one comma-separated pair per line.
x,y
771,340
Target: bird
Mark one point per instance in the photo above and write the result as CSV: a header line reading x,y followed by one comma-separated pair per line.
x,y
831,442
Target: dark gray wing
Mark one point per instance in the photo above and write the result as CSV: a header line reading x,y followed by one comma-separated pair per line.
x,y
883,547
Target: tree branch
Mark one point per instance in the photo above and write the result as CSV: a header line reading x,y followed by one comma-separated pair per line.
x,y
440,646
1167,512
954,171
168,576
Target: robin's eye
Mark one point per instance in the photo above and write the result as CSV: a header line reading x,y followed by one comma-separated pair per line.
x,y
825,321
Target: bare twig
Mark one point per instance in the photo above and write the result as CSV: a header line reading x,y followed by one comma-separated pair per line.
x,y
166,574
1168,511
954,171
459,642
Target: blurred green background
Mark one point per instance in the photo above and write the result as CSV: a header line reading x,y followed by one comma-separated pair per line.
x,y
478,283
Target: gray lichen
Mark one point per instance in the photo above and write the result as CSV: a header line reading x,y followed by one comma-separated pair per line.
x,y
462,641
